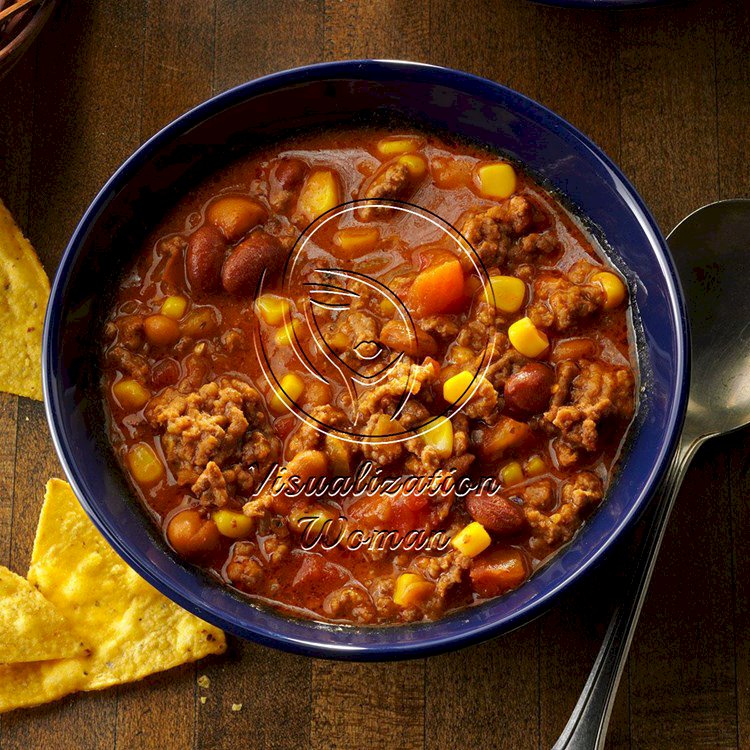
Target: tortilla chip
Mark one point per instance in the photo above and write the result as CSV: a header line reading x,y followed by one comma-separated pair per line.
x,y
24,290
31,629
130,628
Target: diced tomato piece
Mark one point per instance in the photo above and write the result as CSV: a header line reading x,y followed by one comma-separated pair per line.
x,y
317,575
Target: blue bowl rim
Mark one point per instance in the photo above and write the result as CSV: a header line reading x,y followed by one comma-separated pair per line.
x,y
365,69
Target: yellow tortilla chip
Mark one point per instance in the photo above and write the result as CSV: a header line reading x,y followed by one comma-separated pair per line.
x,y
24,290
130,628
31,629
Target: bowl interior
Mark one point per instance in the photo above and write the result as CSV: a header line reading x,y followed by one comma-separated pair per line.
x,y
323,96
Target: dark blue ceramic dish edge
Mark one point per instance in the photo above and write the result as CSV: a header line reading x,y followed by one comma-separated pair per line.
x,y
270,628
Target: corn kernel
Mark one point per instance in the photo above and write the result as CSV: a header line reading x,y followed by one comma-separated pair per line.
x,y
285,335
232,524
411,589
527,339
387,307
613,288
416,164
511,473
536,466
386,426
472,539
145,464
497,180
354,241
310,521
395,146
174,307
272,308
292,387
438,434
456,388
319,194
130,394
506,293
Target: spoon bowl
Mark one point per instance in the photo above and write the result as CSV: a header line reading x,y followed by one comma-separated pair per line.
x,y
716,289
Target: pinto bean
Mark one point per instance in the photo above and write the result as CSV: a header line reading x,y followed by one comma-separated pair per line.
x,y
496,513
528,391
396,335
191,534
205,256
244,267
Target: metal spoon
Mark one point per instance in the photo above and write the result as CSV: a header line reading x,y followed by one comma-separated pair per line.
x,y
711,248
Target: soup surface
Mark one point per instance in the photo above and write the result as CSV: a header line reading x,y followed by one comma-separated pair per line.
x,y
369,377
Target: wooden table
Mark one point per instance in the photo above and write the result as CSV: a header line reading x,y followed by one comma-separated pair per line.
x,y
666,93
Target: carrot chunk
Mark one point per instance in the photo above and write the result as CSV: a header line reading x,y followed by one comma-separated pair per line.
x,y
438,289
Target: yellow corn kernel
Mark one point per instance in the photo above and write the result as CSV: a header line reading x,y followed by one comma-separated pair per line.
x,y
272,308
536,466
527,339
613,288
438,434
285,335
472,539
292,387
319,194
411,589
130,394
497,180
232,524
395,146
174,307
416,164
387,307
507,293
511,473
387,426
354,241
145,464
456,389
310,521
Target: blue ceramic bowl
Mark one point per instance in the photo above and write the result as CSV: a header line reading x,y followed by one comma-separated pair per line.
x,y
327,95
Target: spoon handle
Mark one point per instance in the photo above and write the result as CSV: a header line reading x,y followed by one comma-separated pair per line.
x,y
587,727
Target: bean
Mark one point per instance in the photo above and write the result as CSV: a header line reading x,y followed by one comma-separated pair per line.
x,y
496,513
416,343
244,267
161,330
289,173
191,534
235,215
205,257
528,391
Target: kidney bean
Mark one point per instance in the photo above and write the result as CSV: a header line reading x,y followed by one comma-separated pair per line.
x,y
496,513
289,173
528,391
205,257
244,267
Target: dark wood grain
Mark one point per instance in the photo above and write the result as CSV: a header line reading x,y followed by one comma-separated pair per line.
x,y
666,94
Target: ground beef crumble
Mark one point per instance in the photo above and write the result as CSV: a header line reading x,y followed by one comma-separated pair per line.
x,y
222,426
